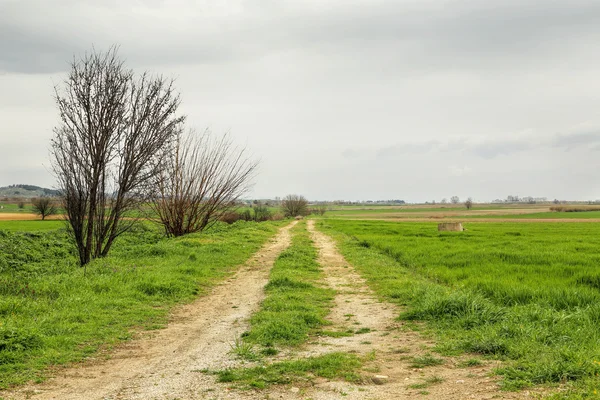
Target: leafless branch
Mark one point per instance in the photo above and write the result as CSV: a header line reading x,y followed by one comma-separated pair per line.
x,y
201,180
113,134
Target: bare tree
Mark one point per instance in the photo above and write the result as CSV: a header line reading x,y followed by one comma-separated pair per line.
x,y
293,205
469,203
455,199
201,181
43,206
115,129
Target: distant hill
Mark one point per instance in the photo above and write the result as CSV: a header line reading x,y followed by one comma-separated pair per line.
x,y
26,191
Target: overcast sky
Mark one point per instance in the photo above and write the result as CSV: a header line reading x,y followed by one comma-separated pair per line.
x,y
340,99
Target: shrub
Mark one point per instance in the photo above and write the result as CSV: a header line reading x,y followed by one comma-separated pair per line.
x,y
230,217
261,213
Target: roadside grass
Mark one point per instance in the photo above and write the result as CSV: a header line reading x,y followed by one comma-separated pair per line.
x,y
54,312
295,305
330,366
528,294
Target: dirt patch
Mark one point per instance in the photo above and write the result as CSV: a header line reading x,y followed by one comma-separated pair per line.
x,y
167,364
389,344
25,217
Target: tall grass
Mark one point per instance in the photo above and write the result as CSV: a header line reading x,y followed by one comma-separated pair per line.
x,y
528,294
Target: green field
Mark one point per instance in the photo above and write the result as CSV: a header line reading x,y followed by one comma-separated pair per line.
x,y
547,215
456,212
528,294
14,208
31,226
54,312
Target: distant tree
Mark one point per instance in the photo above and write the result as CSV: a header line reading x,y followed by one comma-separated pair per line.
x,y
21,204
321,209
455,199
469,203
293,205
43,206
115,130
444,201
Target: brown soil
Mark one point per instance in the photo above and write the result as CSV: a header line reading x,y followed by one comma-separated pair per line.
x,y
167,365
25,217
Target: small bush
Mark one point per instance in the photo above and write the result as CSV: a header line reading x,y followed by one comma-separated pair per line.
x,y
261,213
230,217
277,216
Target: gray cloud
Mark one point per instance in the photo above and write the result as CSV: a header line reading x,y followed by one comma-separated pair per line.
x,y
492,148
578,139
486,149
459,34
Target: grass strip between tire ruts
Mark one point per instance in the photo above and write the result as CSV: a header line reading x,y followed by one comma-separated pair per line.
x,y
295,305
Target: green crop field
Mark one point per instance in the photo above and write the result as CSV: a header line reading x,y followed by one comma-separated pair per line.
x,y
31,226
546,215
54,312
14,208
528,294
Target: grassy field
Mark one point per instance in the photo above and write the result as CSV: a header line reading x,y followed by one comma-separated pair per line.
x,y
51,312
547,215
31,226
14,208
453,212
528,294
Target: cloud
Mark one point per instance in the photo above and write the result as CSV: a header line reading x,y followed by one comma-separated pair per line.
x,y
408,148
494,148
483,148
578,139
427,34
459,170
